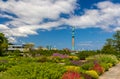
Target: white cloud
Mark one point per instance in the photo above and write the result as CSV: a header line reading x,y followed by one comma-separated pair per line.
x,y
117,28
106,16
3,27
27,16
12,39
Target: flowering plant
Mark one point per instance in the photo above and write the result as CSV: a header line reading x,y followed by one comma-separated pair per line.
x,y
60,55
98,68
71,75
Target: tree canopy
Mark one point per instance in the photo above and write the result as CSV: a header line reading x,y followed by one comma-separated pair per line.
x,y
113,44
3,43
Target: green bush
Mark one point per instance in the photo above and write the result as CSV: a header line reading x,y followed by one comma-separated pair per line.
x,y
3,68
92,73
35,71
104,58
6,63
105,66
83,54
87,66
42,59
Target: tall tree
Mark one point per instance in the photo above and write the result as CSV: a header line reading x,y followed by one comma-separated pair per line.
x,y
113,44
108,47
116,40
3,43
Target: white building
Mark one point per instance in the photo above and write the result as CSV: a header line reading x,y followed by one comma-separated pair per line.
x,y
16,47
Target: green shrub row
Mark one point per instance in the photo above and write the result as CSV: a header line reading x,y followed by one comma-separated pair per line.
x,y
35,71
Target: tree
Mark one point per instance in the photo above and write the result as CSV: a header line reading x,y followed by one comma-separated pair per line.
x,y
116,41
3,43
108,47
112,44
29,46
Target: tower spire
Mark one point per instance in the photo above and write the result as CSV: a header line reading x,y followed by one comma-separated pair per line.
x,y
73,38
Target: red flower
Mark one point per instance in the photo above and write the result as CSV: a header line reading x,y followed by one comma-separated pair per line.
x,y
99,69
71,75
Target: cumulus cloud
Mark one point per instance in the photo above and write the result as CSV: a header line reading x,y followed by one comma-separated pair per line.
x,y
27,16
3,27
106,16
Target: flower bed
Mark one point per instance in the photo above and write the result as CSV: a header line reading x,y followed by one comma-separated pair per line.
x,y
49,67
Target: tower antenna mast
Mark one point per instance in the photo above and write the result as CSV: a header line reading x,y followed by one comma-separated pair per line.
x,y
73,38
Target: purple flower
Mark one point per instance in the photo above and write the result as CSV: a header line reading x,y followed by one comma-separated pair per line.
x,y
60,55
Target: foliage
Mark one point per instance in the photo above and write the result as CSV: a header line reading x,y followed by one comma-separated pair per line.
x,y
83,54
51,52
5,64
60,55
77,62
10,61
108,47
106,66
3,67
73,68
104,58
14,53
42,59
3,43
113,44
71,75
87,65
35,71
73,58
92,73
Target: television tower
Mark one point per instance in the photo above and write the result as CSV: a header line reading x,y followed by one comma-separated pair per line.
x,y
73,38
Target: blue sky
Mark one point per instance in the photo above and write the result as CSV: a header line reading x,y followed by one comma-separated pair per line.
x,y
48,22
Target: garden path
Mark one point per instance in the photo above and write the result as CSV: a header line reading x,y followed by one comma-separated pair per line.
x,y
113,73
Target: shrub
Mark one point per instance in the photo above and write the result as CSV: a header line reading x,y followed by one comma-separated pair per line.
x,y
72,68
71,75
83,54
92,73
6,63
73,57
77,62
87,66
42,59
110,65
106,66
104,58
35,71
3,68
60,55
51,52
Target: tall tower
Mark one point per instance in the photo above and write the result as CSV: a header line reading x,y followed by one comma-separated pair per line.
x,y
73,38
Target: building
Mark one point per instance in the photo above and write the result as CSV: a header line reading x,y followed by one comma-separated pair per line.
x,y
16,47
